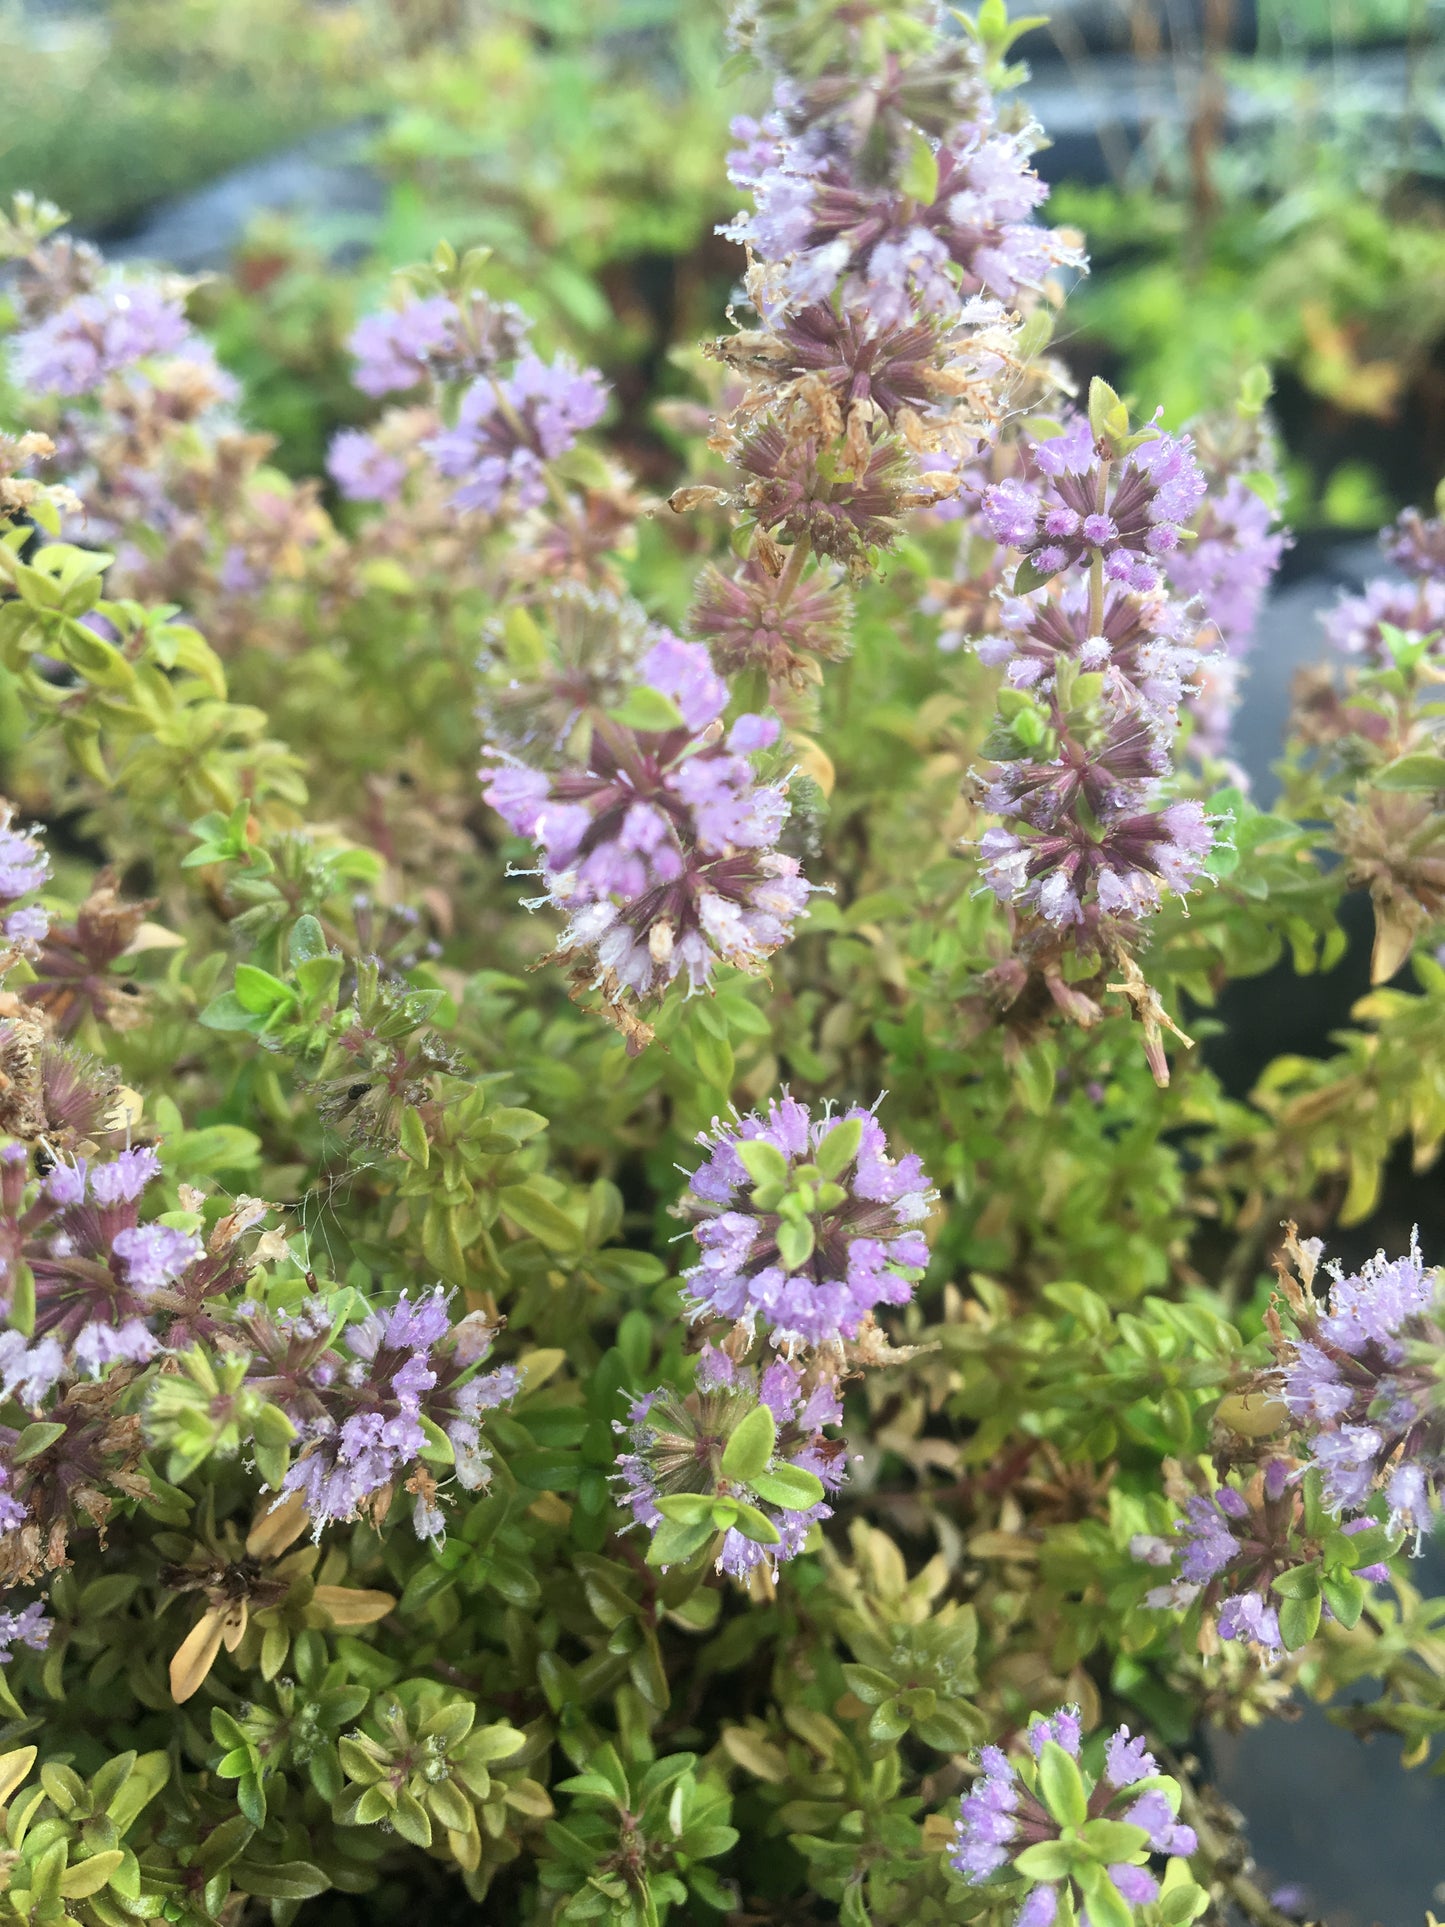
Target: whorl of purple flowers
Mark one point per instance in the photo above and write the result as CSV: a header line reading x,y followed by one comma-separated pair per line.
x,y
675,1442
1231,561
24,866
360,1413
1004,1813
1363,1379
1080,505
105,1284
507,429
662,852
867,1248
362,470
887,249
95,335
1089,836
433,339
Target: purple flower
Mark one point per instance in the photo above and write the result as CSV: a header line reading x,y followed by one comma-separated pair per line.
x,y
1129,511
1356,624
24,865
1062,1728
1154,1813
1127,1759
1247,1616
99,1345
28,926
507,429
96,335
394,350
1006,1811
893,256
125,1177
29,1373
1416,545
360,1418
155,1255
31,1627
1231,563
677,1445
859,1245
1360,1374
363,471
662,851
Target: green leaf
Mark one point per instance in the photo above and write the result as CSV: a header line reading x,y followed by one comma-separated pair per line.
x,y
756,1526
647,708
1345,1595
35,1439
673,1542
1418,771
259,992
1062,1786
919,177
306,942
280,1879
1299,1621
1045,1860
688,1508
1111,1840
1107,1906
751,1446
414,1141
789,1487
537,1215
839,1148
1182,1902
763,1162
1300,1582
1036,1071
796,1242
85,1877
869,1685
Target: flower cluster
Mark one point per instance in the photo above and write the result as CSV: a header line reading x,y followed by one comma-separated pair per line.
x,y
894,217
435,338
663,849
399,1400
1358,624
95,335
744,1455
1117,511
1098,658
24,866
508,415
1269,1551
1228,560
1052,1835
508,429
805,1225
1361,1378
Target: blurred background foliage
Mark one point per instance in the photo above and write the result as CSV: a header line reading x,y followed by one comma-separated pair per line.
x,y
1255,184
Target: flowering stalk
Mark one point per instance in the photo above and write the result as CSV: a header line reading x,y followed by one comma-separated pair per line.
x,y
891,239
1373,759
1097,659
